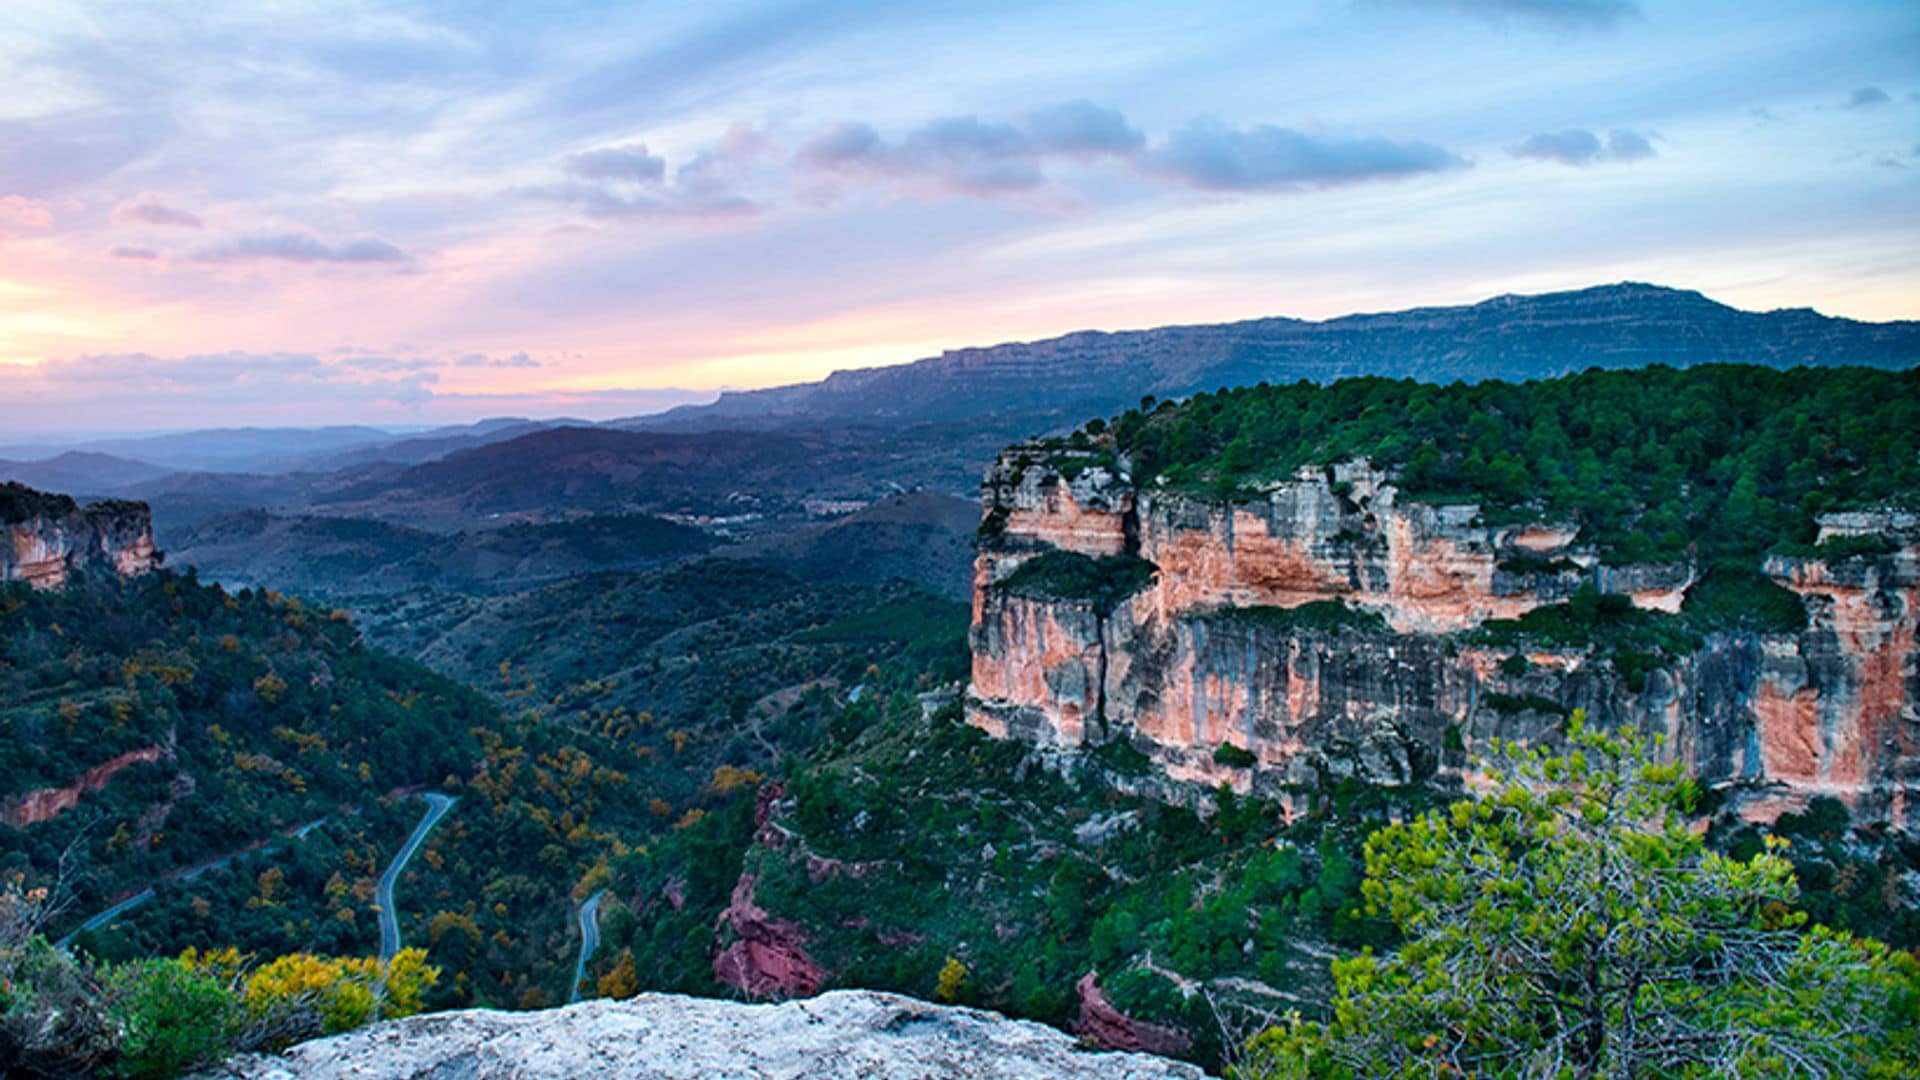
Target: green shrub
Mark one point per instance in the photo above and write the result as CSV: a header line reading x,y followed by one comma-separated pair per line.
x,y
1842,548
1323,616
1519,703
1234,757
171,1016
1733,597
1067,575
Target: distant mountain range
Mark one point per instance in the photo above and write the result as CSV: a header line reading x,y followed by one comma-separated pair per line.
x,y
1067,379
930,425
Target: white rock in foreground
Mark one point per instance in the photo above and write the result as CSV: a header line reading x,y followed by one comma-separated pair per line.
x,y
846,1033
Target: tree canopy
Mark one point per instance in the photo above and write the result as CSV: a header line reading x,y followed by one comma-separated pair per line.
x,y
1726,460
1573,924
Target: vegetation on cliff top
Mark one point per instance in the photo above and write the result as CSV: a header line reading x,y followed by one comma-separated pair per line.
x,y
18,503
1655,464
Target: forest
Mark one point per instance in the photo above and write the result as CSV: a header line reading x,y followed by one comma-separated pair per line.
x,y
1715,462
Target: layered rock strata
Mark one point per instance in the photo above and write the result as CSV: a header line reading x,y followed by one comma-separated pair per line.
x,y
1194,662
48,537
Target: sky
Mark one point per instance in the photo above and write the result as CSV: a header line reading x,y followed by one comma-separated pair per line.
x,y
381,211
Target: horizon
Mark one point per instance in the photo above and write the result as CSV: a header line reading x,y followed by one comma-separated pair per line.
x,y
54,442
406,216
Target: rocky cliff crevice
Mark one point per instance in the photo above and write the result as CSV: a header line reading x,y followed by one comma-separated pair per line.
x,y
48,537
1391,683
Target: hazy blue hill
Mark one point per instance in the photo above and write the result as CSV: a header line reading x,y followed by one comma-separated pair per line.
x,y
83,471
344,556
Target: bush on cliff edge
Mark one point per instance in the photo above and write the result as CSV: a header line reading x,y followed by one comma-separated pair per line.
x,y
1574,925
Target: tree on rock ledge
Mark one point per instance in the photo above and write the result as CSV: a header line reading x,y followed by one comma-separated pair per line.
x,y
1572,925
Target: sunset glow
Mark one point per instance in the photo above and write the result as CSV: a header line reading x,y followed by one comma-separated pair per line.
x,y
391,212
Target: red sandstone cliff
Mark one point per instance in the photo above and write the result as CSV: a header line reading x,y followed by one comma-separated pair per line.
x,y
1773,719
49,536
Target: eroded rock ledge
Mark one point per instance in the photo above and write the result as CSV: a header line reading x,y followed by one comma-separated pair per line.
x,y
668,1037
47,537
1196,671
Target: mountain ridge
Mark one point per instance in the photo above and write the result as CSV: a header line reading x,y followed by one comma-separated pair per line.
x,y
1627,324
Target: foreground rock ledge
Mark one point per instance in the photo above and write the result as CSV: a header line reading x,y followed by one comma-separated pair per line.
x,y
846,1033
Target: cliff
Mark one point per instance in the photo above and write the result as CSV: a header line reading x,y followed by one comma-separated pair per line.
x,y
48,537
1331,629
667,1037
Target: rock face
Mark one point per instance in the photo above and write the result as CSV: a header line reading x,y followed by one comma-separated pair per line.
x,y
49,536
766,957
42,804
666,1037
1186,666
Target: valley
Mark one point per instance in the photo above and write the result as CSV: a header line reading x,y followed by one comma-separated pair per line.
x,y
737,703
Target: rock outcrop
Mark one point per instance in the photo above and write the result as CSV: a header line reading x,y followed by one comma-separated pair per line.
x,y
1104,1025
666,1037
43,804
1205,656
766,957
48,537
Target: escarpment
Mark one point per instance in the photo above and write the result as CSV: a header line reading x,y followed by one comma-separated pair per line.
x,y
48,537
1330,628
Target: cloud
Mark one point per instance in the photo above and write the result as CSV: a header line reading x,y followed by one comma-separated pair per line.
x,y
1215,157
1868,97
51,154
1579,147
715,171
230,377
247,378
844,144
608,203
629,182
969,156
301,248
955,154
517,360
1627,145
1083,128
21,214
129,251
631,163
149,209
1564,14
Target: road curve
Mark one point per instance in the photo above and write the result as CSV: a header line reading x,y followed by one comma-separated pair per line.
x,y
589,940
437,807
146,894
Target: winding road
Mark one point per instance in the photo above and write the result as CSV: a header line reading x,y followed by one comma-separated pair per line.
x,y
589,940
437,807
97,921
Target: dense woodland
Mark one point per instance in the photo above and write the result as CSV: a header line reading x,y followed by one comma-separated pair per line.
x,y
1658,464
